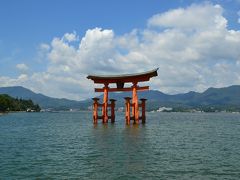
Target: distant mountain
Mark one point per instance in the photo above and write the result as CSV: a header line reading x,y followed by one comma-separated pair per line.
x,y
218,97
42,100
221,96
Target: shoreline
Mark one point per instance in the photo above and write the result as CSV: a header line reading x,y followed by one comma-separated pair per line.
x,y
3,113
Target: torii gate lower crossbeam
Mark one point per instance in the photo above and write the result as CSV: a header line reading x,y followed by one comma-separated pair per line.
x,y
119,80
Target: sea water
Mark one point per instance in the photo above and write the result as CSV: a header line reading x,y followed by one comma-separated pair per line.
x,y
66,145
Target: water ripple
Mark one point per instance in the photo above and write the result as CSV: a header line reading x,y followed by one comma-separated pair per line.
x,y
169,146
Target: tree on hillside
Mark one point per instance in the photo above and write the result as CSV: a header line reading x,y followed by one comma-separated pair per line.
x,y
8,103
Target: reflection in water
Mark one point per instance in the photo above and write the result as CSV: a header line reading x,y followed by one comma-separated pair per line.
x,y
121,150
133,145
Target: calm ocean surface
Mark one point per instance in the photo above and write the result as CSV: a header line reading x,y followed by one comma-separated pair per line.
x,y
67,145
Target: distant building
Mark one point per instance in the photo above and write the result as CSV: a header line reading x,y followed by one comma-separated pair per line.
x,y
30,110
89,108
120,109
161,109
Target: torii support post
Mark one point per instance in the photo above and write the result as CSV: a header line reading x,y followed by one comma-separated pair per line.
x,y
127,110
105,104
135,110
95,110
112,105
143,104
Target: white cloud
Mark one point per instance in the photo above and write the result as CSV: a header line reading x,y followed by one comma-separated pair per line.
x,y
44,47
193,49
22,67
70,37
197,17
7,81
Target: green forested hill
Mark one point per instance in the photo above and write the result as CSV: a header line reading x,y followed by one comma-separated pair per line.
x,y
7,103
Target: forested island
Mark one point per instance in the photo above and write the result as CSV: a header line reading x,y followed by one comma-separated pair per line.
x,y
8,103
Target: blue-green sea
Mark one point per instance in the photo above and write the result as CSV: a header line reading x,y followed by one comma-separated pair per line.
x,y
66,145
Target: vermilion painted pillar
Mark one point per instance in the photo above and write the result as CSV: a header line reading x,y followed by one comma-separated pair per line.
x,y
105,103
127,110
112,110
143,110
95,110
135,103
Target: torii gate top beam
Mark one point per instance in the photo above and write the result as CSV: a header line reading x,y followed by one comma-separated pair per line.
x,y
124,78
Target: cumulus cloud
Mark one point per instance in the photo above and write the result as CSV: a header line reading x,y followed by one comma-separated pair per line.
x,y
44,47
22,67
7,81
193,48
198,17
70,37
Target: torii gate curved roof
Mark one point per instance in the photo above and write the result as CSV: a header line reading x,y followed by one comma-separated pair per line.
x,y
124,78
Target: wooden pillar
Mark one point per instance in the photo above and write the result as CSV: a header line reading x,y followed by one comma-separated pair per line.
x,y
95,110
127,110
112,110
105,103
143,110
135,103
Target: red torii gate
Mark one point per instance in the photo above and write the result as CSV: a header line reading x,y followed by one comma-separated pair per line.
x,y
120,80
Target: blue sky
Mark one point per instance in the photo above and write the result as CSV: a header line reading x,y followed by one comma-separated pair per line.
x,y
28,29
